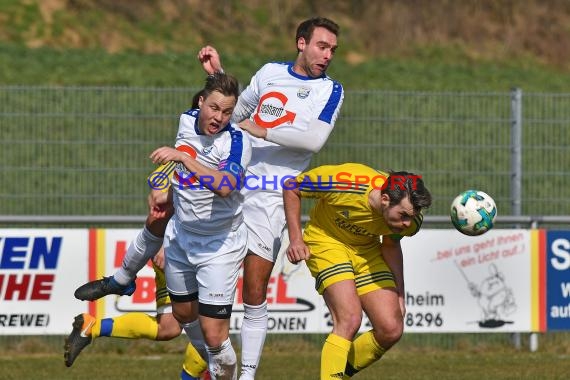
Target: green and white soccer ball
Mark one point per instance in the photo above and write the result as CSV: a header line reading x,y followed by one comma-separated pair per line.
x,y
473,212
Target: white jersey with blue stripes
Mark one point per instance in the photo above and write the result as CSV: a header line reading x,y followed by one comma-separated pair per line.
x,y
279,98
198,208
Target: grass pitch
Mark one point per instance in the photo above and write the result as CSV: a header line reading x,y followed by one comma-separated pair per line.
x,y
291,357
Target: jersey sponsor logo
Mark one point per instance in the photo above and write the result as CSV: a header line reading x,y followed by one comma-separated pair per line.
x,y
352,228
344,213
271,111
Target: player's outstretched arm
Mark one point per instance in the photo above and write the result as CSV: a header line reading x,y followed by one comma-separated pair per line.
x,y
312,140
210,60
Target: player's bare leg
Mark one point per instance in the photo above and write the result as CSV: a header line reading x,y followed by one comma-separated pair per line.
x,y
383,310
257,271
344,305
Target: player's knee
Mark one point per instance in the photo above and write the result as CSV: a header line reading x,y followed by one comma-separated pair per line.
x,y
253,296
390,332
348,324
254,291
168,331
257,272
183,315
157,226
214,338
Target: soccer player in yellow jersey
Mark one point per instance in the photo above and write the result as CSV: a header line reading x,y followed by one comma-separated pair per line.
x,y
352,247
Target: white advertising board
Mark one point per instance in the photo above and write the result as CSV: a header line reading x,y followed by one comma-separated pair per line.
x,y
454,283
38,273
457,283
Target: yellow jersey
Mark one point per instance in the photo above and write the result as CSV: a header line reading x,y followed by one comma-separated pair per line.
x,y
342,210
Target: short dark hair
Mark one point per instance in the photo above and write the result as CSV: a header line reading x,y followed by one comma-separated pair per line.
x,y
221,82
404,184
196,99
306,28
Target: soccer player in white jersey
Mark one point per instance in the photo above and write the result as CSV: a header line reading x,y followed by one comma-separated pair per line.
x,y
206,240
290,109
136,325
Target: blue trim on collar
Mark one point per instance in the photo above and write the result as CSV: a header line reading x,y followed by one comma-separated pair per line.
x,y
299,76
195,113
196,127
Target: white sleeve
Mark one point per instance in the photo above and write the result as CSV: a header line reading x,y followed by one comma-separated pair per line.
x,y
311,140
244,107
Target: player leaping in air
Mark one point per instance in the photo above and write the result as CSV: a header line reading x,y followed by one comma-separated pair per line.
x,y
290,108
230,150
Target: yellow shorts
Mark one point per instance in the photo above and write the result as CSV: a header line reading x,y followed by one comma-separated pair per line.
x,y
332,261
163,303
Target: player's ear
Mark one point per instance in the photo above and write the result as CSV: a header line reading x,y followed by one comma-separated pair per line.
x,y
301,43
384,199
200,101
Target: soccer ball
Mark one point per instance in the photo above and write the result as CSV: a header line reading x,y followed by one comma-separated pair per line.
x,y
473,212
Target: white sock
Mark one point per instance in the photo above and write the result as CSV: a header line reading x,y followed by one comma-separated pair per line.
x,y
143,248
253,331
194,333
222,361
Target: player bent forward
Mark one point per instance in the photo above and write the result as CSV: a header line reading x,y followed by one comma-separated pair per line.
x,y
352,248
205,240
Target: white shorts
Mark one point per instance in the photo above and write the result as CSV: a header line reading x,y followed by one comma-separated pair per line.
x,y
205,264
264,216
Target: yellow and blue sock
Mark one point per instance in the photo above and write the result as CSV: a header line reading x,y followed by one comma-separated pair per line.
x,y
130,326
194,365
